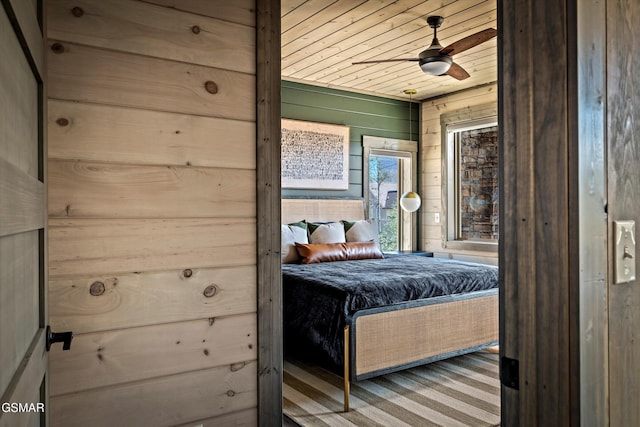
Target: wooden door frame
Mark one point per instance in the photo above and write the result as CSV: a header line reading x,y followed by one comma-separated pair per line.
x,y
591,190
541,233
269,270
538,207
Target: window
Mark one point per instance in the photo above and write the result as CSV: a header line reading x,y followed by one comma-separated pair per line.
x,y
471,192
390,170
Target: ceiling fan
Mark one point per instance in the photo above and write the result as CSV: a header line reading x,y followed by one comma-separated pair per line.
x,y
436,60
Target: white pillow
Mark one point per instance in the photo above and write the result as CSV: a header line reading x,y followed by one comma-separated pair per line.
x,y
364,230
330,232
292,233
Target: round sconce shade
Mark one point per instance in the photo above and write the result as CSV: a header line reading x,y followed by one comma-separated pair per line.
x,y
410,201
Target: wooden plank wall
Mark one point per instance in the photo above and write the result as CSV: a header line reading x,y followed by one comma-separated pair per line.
x,y
623,157
152,212
430,174
364,114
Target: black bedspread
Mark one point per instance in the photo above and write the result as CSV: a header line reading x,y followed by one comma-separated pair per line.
x,y
320,299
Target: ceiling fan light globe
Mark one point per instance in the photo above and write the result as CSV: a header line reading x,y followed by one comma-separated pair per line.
x,y
436,66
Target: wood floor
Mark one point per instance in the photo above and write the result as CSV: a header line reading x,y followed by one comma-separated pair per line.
x,y
461,391
288,422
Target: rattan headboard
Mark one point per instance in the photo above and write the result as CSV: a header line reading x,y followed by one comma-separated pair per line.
x,y
324,210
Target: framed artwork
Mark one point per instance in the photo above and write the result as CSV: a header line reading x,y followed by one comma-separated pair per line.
x,y
314,155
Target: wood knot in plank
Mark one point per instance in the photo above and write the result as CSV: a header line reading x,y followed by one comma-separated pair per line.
x,y
77,11
187,272
235,367
195,29
210,291
62,121
57,48
231,393
96,289
211,87
264,371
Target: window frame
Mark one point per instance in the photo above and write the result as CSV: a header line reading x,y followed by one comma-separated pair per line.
x,y
404,150
476,117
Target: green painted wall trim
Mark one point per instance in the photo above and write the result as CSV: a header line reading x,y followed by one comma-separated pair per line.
x,y
364,114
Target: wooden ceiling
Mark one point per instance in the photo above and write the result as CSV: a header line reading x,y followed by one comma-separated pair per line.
x,y
321,38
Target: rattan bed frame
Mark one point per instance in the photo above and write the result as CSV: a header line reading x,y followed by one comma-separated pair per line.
x,y
387,339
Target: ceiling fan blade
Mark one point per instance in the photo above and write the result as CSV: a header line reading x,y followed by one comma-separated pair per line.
x,y
457,72
469,42
376,61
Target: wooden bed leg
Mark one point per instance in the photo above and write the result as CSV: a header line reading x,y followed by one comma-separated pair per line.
x,y
347,385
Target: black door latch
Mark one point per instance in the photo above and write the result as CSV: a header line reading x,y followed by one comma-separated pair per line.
x,y
63,337
509,372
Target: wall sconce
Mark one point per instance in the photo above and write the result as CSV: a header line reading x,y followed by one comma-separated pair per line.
x,y
410,201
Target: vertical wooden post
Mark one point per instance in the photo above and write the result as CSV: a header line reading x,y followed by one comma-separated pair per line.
x,y
591,186
539,252
347,385
268,213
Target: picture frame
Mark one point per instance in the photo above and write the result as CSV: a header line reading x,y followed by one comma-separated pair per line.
x,y
314,155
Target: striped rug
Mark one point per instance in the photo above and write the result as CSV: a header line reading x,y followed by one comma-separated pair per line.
x,y
462,391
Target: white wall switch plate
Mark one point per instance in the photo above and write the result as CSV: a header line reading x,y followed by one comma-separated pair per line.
x,y
625,251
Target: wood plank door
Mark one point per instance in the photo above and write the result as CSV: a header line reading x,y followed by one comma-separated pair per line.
x,y
23,356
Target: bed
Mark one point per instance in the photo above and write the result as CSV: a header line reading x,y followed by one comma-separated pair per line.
x,y
369,317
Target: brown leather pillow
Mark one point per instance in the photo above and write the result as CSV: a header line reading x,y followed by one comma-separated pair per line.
x,y
311,253
363,250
